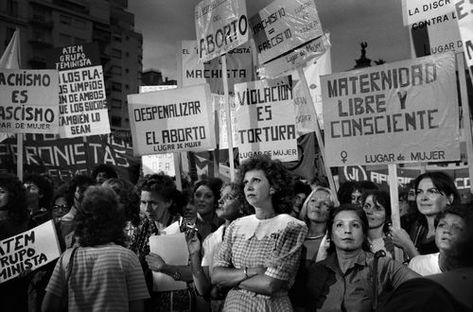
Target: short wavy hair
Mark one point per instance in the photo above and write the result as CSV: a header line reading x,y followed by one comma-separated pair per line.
x,y
279,178
364,224
98,221
128,196
107,169
16,205
331,195
45,188
245,208
214,184
382,198
164,186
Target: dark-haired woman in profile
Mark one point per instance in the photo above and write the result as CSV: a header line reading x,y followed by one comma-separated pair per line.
x,y
344,281
100,274
260,253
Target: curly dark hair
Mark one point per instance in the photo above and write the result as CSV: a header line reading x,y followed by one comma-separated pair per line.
x,y
245,208
107,169
98,221
45,188
16,205
214,184
164,186
381,198
128,196
278,176
364,224
80,180
443,182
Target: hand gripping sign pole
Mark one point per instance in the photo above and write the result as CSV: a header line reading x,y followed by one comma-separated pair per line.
x,y
320,141
466,114
229,119
394,195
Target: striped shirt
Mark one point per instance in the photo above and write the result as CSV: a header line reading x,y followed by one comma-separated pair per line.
x,y
103,278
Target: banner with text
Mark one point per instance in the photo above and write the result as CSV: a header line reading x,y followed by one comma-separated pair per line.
x,y
284,25
221,26
61,159
464,11
82,103
29,250
266,119
395,113
74,56
415,11
172,120
193,72
29,101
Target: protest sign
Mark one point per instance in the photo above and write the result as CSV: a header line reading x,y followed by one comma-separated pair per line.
x,y
158,163
193,72
432,11
29,101
464,10
144,89
221,26
172,120
401,112
432,38
219,105
266,119
74,56
284,25
63,158
82,103
29,250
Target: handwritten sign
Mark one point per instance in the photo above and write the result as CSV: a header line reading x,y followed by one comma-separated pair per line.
x,y
192,71
29,101
395,113
432,11
172,120
284,25
266,119
221,26
74,56
82,102
28,251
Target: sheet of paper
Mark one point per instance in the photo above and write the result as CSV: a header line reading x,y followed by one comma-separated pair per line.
x,y
173,249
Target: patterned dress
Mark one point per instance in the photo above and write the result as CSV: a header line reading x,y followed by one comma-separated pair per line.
x,y
274,243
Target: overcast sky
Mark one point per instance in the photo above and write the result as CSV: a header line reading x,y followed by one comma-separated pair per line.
x,y
378,22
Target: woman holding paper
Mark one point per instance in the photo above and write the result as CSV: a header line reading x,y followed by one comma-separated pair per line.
x,y
260,253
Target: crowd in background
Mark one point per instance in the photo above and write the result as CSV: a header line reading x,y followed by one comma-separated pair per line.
x,y
266,242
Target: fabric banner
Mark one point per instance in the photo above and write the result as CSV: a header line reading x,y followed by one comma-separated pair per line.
x,y
29,250
415,11
221,26
193,71
158,163
63,158
172,120
459,174
464,10
29,101
395,113
284,25
266,119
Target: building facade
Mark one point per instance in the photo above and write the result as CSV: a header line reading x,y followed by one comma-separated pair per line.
x,y
46,24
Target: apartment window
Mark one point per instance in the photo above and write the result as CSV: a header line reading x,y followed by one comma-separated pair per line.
x,y
79,40
64,19
117,38
117,104
127,70
116,53
116,121
78,23
12,8
64,39
116,70
116,86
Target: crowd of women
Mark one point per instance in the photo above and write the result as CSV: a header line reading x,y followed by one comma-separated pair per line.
x,y
265,242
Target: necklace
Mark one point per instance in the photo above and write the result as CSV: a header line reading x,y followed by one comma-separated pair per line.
x,y
314,237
